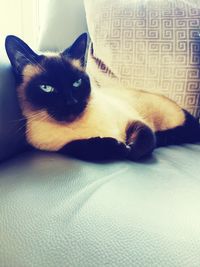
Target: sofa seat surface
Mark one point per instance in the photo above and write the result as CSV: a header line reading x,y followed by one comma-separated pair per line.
x,y
57,211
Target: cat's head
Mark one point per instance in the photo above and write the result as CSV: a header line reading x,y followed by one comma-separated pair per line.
x,y
56,84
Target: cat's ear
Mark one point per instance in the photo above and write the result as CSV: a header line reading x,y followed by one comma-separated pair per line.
x,y
19,53
78,49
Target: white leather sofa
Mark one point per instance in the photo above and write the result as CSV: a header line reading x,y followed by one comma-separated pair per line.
x,y
56,211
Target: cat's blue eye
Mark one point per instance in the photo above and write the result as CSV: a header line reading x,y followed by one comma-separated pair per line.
x,y
77,83
47,88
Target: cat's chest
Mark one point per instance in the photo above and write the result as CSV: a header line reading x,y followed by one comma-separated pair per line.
x,y
103,117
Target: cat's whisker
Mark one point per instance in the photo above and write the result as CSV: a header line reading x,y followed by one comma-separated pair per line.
x,y
35,119
25,124
20,128
22,75
18,120
36,115
39,121
30,119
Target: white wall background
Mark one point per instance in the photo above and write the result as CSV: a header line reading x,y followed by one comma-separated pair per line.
x,y
22,18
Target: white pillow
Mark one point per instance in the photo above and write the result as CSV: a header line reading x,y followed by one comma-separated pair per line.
x,y
151,44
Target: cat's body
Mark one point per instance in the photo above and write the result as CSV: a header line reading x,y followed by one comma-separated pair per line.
x,y
98,122
106,115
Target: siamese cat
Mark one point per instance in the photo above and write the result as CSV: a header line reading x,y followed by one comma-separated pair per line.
x,y
65,113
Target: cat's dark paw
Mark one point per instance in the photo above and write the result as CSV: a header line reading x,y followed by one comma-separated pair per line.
x,y
97,148
111,148
135,154
106,148
141,140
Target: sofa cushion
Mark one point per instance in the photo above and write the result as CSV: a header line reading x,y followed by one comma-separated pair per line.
x,y
62,24
151,45
57,211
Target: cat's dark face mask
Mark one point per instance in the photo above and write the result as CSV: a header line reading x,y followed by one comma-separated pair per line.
x,y
56,83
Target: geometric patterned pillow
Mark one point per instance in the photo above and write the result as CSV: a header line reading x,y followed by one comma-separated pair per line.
x,y
152,45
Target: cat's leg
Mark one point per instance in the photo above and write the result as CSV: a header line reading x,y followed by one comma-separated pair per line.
x,y
96,149
141,140
189,132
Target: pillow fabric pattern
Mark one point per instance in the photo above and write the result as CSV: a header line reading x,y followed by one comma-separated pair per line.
x,y
152,45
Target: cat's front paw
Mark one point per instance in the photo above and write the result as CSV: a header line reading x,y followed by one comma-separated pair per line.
x,y
141,140
111,148
97,148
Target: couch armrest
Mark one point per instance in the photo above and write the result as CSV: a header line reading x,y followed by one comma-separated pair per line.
x,y
11,137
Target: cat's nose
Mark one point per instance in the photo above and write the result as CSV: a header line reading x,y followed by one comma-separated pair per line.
x,y
71,101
